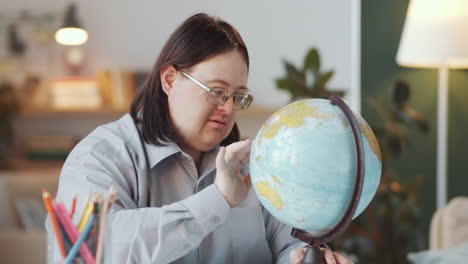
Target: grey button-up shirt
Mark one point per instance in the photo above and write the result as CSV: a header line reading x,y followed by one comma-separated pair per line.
x,y
174,214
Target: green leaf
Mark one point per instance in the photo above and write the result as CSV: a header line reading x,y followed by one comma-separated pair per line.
x,y
291,70
322,80
312,61
287,84
292,86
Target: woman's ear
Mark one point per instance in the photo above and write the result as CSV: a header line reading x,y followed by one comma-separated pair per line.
x,y
168,75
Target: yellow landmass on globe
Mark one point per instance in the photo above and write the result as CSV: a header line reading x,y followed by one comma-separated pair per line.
x,y
368,134
275,179
271,130
293,116
270,194
373,143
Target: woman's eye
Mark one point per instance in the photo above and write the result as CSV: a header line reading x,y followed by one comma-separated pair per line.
x,y
218,91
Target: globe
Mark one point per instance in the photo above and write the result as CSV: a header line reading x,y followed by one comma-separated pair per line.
x,y
303,164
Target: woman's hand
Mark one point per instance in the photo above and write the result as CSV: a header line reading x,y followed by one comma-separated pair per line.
x,y
229,162
297,255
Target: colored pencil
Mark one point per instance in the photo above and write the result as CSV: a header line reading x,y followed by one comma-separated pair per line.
x,y
53,219
93,235
83,209
102,225
71,231
73,205
79,241
87,213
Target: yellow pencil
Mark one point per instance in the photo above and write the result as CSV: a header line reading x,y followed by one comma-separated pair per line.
x,y
83,209
85,216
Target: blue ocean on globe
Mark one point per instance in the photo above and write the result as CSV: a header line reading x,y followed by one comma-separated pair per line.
x,y
303,164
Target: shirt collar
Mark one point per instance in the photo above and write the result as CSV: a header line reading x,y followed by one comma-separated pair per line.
x,y
156,154
209,162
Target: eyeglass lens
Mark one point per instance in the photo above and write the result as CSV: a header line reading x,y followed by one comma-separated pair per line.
x,y
219,97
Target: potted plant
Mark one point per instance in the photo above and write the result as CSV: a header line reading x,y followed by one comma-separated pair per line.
x,y
309,81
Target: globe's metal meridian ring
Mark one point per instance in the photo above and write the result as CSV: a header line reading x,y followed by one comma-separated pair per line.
x,y
346,219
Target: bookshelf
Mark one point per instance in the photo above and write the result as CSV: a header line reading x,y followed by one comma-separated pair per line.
x,y
50,113
59,127
253,111
81,122
21,164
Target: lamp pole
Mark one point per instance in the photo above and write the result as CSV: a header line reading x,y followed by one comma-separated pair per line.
x,y
442,116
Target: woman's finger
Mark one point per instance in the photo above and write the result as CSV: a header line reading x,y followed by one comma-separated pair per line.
x,y
329,258
297,255
239,149
341,260
220,160
237,154
248,181
245,160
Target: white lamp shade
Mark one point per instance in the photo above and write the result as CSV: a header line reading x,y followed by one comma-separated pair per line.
x,y
435,34
71,36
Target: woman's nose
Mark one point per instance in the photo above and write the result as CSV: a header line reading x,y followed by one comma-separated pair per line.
x,y
228,106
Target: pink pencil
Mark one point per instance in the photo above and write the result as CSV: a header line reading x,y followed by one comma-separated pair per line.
x,y
73,205
71,231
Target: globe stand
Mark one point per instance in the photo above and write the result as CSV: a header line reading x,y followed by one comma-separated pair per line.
x,y
314,254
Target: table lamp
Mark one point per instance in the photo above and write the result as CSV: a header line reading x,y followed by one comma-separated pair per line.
x,y
435,35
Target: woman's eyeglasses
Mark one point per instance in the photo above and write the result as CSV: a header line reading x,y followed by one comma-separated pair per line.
x,y
219,96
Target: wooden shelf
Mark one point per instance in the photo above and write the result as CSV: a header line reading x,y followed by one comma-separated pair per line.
x,y
257,111
51,113
22,164
47,113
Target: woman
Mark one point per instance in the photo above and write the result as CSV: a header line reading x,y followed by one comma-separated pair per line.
x,y
176,161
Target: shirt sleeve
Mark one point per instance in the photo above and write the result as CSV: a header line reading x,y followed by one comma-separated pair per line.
x,y
141,235
279,238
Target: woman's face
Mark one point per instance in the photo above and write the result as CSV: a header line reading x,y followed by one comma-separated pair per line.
x,y
200,124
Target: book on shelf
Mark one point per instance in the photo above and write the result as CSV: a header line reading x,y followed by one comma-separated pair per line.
x,y
75,93
118,87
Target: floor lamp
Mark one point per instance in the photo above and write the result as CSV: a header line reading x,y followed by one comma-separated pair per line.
x,y
435,35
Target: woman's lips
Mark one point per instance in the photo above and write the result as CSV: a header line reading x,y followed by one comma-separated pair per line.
x,y
217,123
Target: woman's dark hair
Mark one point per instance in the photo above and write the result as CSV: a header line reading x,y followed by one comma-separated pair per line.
x,y
198,38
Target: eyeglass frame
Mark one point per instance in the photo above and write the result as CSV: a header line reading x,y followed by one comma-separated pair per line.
x,y
208,90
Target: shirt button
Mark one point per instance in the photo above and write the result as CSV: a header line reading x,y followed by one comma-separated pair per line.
x,y
216,219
